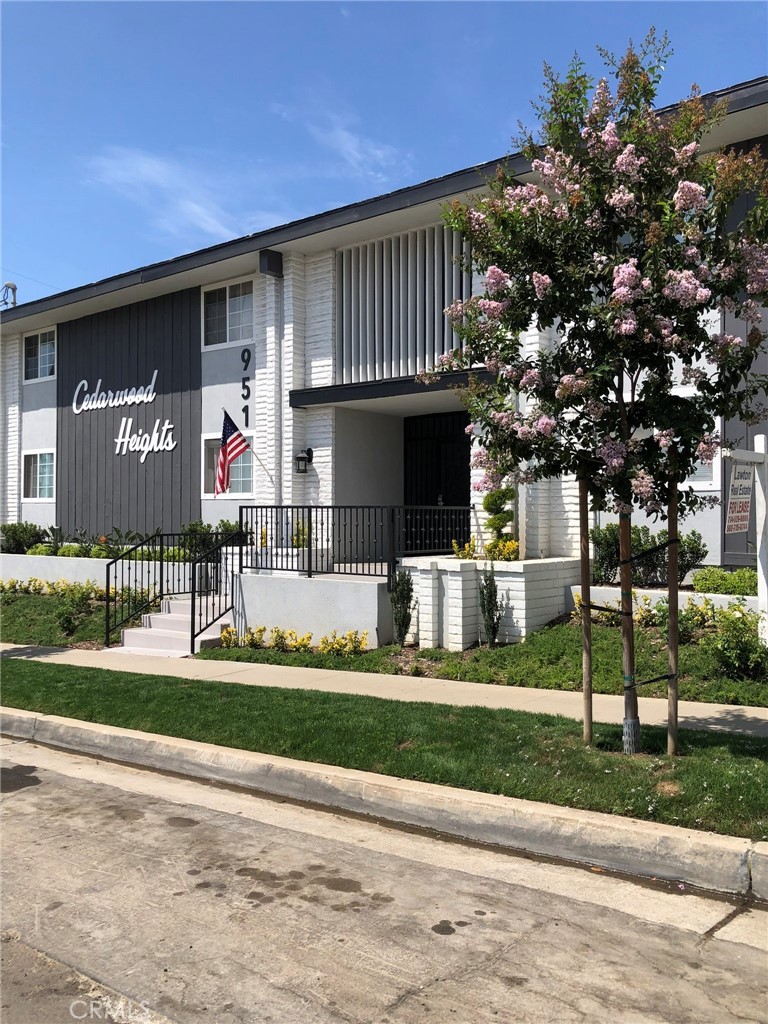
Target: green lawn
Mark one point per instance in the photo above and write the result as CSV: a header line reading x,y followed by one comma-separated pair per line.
x,y
719,784
549,658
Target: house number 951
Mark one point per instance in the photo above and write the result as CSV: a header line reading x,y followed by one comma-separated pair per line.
x,y
245,388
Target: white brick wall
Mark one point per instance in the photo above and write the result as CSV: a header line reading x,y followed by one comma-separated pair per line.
x,y
10,429
294,372
320,319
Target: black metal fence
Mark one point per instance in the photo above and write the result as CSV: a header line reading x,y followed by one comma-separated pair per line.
x,y
360,540
164,565
212,587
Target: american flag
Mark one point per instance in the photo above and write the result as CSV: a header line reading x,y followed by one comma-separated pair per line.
x,y
233,444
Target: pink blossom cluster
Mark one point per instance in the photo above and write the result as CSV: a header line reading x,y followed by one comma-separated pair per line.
x,y
689,196
643,485
613,453
626,325
693,375
686,154
558,172
627,283
572,385
621,199
727,341
505,419
685,288
496,280
469,429
455,312
446,359
530,379
544,426
492,478
629,163
527,199
541,283
750,312
492,308
595,409
476,220
707,448
665,438
755,261
607,139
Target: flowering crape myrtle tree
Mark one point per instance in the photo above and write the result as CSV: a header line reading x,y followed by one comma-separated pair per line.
x,y
624,248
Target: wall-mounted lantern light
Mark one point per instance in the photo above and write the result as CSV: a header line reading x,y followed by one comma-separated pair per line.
x,y
304,459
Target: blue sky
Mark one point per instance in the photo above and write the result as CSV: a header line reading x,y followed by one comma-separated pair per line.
x,y
134,132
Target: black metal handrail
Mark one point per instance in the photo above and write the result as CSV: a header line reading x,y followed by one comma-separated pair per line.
x,y
357,540
155,568
212,586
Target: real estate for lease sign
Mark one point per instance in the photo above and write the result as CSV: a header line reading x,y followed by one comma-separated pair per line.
x,y
739,498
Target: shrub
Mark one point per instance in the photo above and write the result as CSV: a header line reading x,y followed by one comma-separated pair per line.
x,y
300,538
100,551
230,527
650,571
71,551
402,605
468,551
20,537
489,606
196,537
55,538
500,516
229,637
736,643
345,646
40,549
254,638
87,541
714,580
74,607
502,550
280,639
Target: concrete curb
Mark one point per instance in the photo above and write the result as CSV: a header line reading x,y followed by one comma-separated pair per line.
x,y
721,863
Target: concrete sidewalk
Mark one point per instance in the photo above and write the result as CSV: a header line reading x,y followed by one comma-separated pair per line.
x,y
606,708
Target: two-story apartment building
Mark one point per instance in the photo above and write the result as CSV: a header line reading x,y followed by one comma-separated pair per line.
x,y
310,335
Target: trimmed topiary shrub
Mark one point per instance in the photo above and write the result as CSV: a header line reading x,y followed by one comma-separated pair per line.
x,y
714,580
70,551
39,549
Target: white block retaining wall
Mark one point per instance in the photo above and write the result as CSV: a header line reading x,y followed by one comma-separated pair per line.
x,y
531,593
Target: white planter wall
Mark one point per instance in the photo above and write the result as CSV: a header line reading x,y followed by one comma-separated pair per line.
x,y
611,596
447,613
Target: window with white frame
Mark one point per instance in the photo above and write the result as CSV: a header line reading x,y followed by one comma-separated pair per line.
x,y
38,476
240,471
228,314
40,356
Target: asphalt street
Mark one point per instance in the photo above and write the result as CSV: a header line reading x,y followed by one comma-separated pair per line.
x,y
133,896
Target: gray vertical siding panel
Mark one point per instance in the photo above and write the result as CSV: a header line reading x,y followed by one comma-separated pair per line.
x,y
99,489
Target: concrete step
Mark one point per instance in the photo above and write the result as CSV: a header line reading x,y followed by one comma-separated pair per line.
x,y
171,621
156,640
149,652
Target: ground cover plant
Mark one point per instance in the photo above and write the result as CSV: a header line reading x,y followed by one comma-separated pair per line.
x,y
550,659
719,784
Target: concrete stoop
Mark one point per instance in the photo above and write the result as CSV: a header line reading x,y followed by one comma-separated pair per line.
x,y
167,633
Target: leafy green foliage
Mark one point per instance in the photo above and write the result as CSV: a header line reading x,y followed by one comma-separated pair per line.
x,y
736,643
650,570
496,503
714,580
196,538
18,538
402,605
489,606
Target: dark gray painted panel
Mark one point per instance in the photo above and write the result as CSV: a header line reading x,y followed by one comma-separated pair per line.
x,y
99,489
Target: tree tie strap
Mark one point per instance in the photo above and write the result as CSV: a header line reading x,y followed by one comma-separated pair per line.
x,y
629,684
648,551
604,607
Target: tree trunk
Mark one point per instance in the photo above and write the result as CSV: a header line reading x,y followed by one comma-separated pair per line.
x,y
631,718
672,588
586,613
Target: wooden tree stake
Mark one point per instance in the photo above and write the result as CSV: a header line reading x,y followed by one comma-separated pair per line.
x,y
586,613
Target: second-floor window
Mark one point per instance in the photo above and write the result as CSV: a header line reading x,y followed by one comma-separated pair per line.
x,y
228,314
40,355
